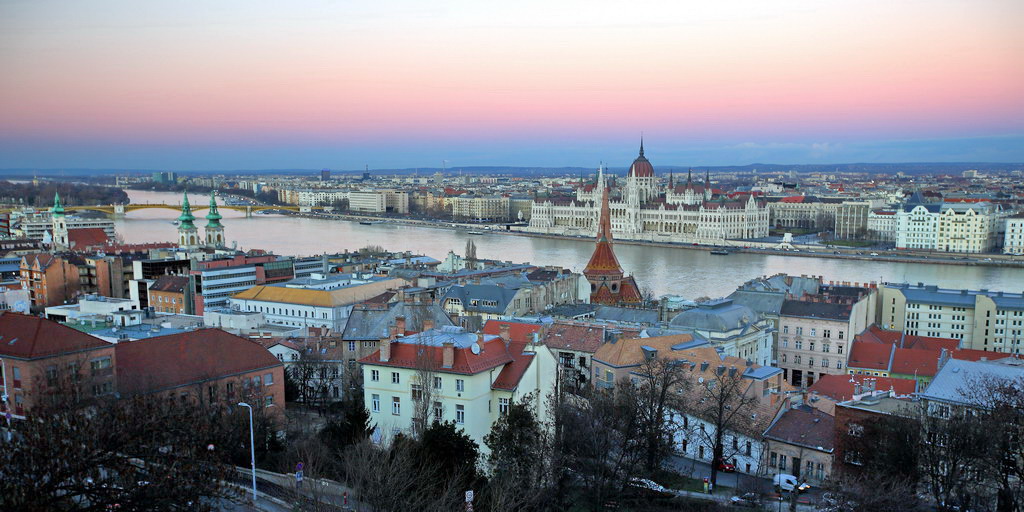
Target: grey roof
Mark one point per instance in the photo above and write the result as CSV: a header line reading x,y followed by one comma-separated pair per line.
x,y
720,315
626,315
375,324
793,285
804,309
481,292
761,372
451,333
957,377
931,294
572,310
762,302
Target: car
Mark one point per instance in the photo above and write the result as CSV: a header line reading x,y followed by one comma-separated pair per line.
x,y
749,499
874,254
790,483
722,465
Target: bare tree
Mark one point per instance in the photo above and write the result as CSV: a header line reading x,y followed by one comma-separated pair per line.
x,y
424,408
658,388
726,403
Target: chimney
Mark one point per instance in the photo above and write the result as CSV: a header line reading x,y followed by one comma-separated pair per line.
x,y
385,350
720,370
505,331
407,297
447,354
400,326
428,324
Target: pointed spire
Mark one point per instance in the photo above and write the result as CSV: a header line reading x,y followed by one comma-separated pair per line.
x,y
641,143
58,209
670,184
689,178
707,178
604,230
186,216
213,215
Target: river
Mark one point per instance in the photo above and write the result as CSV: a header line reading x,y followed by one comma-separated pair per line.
x,y
661,270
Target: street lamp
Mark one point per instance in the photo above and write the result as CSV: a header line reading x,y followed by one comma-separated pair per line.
x,y
252,449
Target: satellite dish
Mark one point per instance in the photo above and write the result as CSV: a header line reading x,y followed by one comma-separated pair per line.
x,y
700,380
21,306
475,349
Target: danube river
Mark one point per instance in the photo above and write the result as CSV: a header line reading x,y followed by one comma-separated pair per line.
x,y
661,270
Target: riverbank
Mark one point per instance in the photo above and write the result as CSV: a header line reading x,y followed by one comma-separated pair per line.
x,y
732,246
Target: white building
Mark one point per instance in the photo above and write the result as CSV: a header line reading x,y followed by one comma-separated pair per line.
x,y
948,227
470,379
734,328
370,201
481,208
646,210
1013,239
882,225
36,225
299,307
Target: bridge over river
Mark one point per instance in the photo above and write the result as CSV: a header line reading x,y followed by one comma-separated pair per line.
x,y
119,210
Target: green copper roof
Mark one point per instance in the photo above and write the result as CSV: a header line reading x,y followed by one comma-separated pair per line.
x,y
213,215
57,209
186,217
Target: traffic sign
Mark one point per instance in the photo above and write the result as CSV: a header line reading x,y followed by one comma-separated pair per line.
x,y
469,496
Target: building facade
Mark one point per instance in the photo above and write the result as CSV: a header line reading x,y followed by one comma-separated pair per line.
x,y
646,210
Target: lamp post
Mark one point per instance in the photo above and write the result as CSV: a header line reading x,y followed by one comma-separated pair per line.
x,y
252,449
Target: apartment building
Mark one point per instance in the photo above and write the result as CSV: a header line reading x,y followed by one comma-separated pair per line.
x,y
734,328
881,225
480,208
471,379
980,319
38,356
36,225
815,331
947,227
50,280
369,201
169,294
1013,238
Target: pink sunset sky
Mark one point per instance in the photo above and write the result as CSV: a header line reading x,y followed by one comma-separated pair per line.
x,y
226,84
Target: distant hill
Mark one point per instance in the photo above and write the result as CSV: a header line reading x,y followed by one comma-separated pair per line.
x,y
873,168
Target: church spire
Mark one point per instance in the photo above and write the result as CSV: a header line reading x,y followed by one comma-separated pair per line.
x,y
689,178
186,216
58,209
213,215
641,144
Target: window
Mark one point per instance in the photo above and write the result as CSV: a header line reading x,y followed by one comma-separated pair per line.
x,y
268,401
840,334
814,332
748,451
437,382
785,329
825,347
351,346
100,367
375,375
839,348
396,406
460,414
826,333
375,403
394,378
773,459
417,392
503,406
799,331
811,344
460,385
735,443
799,345
438,410
782,462
268,379
102,389
824,362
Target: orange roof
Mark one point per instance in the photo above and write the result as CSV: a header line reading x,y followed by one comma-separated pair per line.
x,y
876,334
603,261
82,238
872,356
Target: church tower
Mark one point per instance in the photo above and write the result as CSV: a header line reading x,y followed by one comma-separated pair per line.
x,y
188,235
214,229
608,283
60,223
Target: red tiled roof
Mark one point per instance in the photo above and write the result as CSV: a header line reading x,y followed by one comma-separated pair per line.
x,y
163,362
512,373
915,361
579,337
842,387
519,331
31,337
176,284
874,356
792,199
809,428
492,354
878,335
82,238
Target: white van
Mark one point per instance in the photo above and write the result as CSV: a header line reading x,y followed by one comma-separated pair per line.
x,y
789,483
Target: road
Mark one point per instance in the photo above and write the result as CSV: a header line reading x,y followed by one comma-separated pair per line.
x,y
740,482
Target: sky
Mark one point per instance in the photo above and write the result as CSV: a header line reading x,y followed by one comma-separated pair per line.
x,y
201,85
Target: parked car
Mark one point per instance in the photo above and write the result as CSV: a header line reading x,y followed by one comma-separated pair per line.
x,y
789,483
874,254
750,499
722,465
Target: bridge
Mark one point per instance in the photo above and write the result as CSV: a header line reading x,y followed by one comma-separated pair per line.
x,y
119,210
